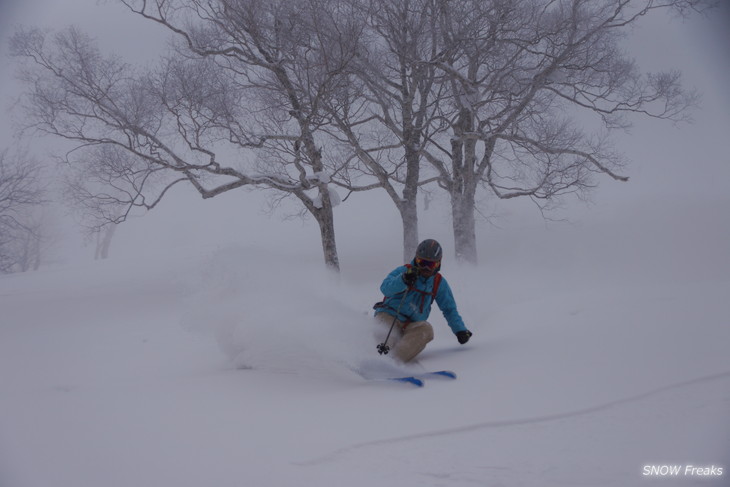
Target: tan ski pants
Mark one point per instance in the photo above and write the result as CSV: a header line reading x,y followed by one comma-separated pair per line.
x,y
406,341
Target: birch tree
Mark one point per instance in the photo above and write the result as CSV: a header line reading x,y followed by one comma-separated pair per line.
x,y
292,55
390,110
237,104
519,73
21,192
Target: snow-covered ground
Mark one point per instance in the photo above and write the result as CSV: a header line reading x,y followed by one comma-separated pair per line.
x,y
598,349
212,349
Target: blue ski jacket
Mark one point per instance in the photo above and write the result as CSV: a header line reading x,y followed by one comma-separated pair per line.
x,y
418,300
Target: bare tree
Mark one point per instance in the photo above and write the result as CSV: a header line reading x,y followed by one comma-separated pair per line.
x,y
21,192
519,72
292,55
304,95
389,111
104,241
99,186
238,104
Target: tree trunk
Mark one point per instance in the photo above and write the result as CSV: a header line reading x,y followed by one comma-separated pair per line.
x,y
409,215
329,246
411,142
326,220
409,209
463,189
464,225
104,241
36,252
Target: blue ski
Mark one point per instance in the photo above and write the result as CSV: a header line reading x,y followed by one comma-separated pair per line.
x,y
377,370
417,379
439,374
408,380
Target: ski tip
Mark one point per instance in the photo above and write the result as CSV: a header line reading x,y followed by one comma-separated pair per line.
x,y
445,373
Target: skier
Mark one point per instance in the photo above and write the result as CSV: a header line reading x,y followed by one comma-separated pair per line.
x,y
409,291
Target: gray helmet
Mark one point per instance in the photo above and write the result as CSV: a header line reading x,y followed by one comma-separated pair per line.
x,y
429,250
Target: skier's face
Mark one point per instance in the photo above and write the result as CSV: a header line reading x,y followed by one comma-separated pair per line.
x,y
427,268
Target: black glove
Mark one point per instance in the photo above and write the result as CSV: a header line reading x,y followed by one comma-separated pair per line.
x,y
410,276
463,336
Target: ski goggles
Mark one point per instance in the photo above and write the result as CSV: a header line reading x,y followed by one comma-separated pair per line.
x,y
427,264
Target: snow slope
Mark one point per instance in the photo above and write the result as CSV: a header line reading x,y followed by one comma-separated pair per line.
x,y
598,349
212,350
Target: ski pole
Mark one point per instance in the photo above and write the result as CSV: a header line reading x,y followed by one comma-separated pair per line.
x,y
383,348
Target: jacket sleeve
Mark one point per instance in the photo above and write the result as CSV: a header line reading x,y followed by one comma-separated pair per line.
x,y
447,305
393,284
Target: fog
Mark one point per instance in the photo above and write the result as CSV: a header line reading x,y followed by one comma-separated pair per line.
x,y
211,348
667,162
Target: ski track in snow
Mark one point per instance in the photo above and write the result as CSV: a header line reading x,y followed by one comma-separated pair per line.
x,y
515,422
